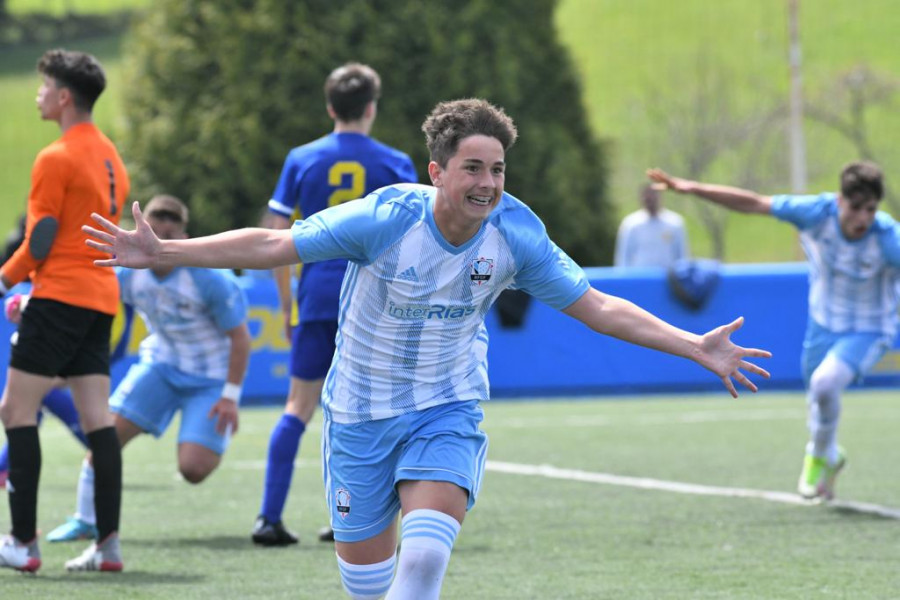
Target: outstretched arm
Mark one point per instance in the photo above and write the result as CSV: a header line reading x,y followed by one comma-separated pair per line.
x,y
734,198
238,249
714,350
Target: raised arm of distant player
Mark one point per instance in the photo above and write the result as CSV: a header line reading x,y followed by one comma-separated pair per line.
x,y
714,350
734,198
251,248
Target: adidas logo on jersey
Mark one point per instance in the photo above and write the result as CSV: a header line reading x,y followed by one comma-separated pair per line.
x,y
409,275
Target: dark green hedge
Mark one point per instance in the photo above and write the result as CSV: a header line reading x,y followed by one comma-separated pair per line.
x,y
52,31
219,90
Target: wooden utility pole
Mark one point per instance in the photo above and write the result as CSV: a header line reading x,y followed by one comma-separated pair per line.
x,y
797,141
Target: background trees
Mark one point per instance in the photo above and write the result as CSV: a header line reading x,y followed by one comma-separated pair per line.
x,y
217,91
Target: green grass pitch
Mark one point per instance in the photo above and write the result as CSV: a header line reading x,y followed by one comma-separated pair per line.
x,y
528,536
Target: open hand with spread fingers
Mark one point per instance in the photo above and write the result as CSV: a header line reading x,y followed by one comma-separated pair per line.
x,y
727,360
138,249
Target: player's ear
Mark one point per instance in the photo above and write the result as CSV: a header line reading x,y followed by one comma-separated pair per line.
x,y
65,96
435,172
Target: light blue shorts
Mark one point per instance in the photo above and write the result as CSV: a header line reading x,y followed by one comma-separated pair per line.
x,y
363,462
150,394
860,351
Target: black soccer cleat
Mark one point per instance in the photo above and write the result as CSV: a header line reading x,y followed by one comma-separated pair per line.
x,y
267,533
326,534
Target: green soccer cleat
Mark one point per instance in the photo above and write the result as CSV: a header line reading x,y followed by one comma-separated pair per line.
x,y
818,477
811,476
826,488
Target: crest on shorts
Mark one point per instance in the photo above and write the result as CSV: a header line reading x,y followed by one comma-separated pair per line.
x,y
342,502
481,270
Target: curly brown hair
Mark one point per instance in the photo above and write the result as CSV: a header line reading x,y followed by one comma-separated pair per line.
x,y
452,121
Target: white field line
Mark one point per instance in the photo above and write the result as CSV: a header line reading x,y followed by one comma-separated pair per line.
x,y
659,418
667,418
644,483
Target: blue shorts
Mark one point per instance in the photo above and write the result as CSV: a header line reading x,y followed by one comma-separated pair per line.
x,y
312,349
363,462
860,351
150,395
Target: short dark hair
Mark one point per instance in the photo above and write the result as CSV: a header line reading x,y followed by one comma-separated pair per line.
x,y
350,88
451,122
79,72
167,208
862,181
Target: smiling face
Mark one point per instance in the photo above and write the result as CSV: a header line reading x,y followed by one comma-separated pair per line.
x,y
856,216
469,187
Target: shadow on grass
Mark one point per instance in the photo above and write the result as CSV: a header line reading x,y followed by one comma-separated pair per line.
x,y
863,510
852,513
234,543
129,578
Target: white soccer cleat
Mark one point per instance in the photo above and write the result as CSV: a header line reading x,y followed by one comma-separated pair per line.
x,y
102,556
21,557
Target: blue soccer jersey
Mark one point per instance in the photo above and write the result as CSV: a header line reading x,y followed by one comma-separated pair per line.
x,y
187,313
327,172
852,284
412,306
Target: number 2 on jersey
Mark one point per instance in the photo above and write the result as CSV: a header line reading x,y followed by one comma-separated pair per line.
x,y
336,178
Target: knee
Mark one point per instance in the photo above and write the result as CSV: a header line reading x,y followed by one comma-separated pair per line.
x,y
14,416
5,416
302,407
822,385
193,473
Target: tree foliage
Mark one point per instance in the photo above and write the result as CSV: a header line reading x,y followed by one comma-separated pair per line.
x,y
219,90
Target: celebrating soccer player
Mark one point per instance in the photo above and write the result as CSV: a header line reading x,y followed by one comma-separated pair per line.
x,y
401,399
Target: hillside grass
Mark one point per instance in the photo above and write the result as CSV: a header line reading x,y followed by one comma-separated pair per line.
x,y
629,51
62,7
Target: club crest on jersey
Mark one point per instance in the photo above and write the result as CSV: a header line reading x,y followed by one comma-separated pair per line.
x,y
481,270
342,502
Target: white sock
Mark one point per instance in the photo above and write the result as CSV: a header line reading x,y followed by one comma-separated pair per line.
x,y
84,505
366,582
827,383
426,540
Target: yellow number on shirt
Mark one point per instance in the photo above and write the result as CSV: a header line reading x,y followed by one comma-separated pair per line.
x,y
349,178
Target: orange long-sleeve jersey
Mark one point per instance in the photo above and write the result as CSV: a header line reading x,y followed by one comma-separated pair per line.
x,y
76,175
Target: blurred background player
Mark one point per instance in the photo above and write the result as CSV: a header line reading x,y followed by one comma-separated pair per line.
x,y
65,332
193,361
652,236
345,165
854,255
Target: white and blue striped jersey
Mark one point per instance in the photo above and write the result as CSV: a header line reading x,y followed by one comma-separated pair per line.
x,y
411,325
187,313
852,284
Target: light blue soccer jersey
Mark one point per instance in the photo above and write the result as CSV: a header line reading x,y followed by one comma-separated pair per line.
x,y
187,313
852,284
411,326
